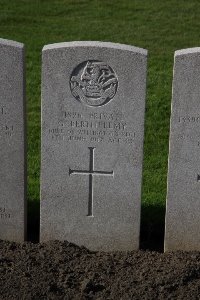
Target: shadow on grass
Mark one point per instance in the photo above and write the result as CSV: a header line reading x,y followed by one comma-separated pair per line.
x,y
33,222
152,226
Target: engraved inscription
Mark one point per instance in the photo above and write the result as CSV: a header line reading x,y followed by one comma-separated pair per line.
x,y
6,129
9,130
189,119
92,127
91,172
192,122
4,214
93,83
3,111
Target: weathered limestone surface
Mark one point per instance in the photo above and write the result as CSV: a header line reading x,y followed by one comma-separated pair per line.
x,y
93,103
183,197
12,136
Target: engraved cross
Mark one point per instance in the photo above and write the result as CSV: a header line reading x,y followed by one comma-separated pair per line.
x,y
91,172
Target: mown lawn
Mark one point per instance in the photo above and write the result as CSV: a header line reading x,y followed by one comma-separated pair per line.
x,y
161,27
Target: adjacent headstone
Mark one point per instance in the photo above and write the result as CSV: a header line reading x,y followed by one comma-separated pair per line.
x,y
183,196
12,136
93,102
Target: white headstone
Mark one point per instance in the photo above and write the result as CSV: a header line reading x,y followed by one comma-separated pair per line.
x,y
93,103
183,196
12,136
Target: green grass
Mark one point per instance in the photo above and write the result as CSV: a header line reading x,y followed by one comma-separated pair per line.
x,y
159,26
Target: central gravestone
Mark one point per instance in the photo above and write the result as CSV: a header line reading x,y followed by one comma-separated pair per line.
x,y
93,102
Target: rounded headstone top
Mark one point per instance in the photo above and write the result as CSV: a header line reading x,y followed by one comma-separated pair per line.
x,y
11,43
95,44
187,51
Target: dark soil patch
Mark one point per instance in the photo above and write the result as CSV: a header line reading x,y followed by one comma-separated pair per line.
x,y
61,270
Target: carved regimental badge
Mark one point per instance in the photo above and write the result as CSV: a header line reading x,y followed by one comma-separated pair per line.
x,y
93,83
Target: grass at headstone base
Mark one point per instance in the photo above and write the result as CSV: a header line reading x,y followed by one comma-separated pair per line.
x,y
161,27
